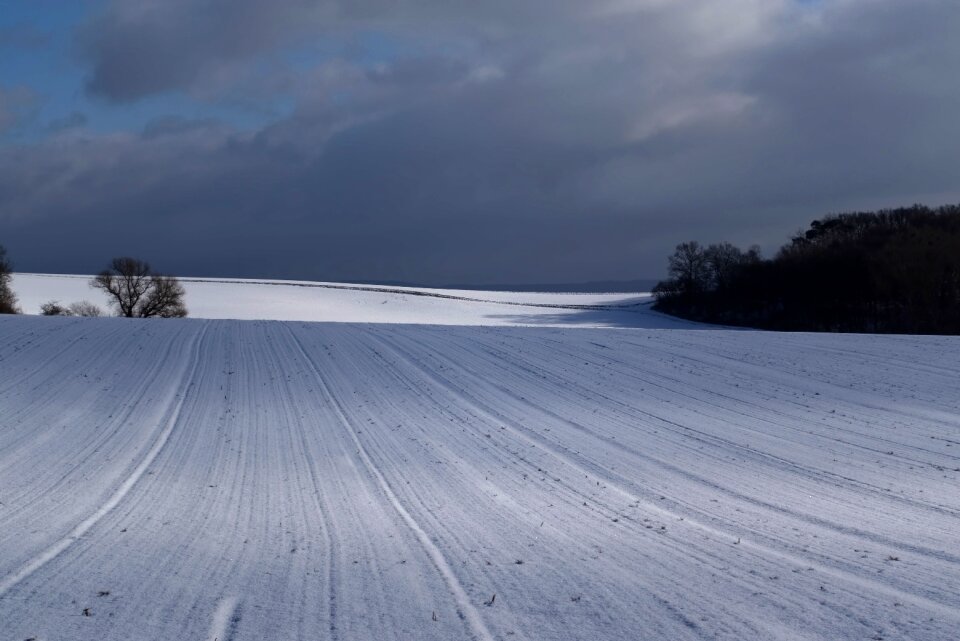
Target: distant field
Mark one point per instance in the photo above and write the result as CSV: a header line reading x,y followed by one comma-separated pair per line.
x,y
369,480
340,302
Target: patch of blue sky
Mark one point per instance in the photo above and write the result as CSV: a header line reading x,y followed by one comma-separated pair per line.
x,y
48,64
38,52
46,14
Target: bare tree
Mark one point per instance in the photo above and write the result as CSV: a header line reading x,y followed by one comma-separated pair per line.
x,y
80,308
54,308
126,282
8,300
136,292
164,299
85,308
724,262
689,268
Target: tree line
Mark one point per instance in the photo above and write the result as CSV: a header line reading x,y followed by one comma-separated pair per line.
x,y
889,271
132,288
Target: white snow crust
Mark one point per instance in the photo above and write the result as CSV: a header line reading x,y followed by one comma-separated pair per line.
x,y
370,480
357,303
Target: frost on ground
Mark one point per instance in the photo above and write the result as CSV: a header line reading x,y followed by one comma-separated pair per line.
x,y
205,479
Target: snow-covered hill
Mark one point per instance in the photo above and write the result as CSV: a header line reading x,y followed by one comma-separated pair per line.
x,y
356,303
216,479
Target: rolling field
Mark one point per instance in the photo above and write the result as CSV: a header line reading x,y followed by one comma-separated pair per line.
x,y
241,480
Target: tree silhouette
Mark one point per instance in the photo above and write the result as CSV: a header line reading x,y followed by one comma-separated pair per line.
x,y
895,270
135,291
8,300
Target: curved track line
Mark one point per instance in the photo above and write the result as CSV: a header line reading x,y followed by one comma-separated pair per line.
x,y
492,355
38,561
621,485
465,608
224,620
332,570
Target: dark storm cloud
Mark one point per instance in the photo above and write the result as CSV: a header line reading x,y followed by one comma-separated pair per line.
x,y
521,141
142,47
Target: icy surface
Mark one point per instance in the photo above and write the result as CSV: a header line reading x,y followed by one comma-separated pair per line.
x,y
219,479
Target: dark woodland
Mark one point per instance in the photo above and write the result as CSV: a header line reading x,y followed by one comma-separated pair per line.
x,y
890,271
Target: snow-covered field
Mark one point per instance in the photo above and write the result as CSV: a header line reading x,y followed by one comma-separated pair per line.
x,y
355,303
230,480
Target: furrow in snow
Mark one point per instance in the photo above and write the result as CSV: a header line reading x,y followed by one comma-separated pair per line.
x,y
38,561
623,486
467,611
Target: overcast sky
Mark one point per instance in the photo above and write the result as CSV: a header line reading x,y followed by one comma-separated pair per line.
x,y
460,141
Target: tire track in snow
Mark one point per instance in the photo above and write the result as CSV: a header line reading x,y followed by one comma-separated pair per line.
x,y
778,374
417,386
44,557
772,461
330,545
57,474
37,342
225,619
864,400
465,608
332,569
621,485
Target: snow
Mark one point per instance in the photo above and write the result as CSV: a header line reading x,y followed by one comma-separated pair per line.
x,y
225,479
357,303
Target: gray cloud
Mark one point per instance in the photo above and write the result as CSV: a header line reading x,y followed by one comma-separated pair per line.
x,y
17,105
521,141
142,47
